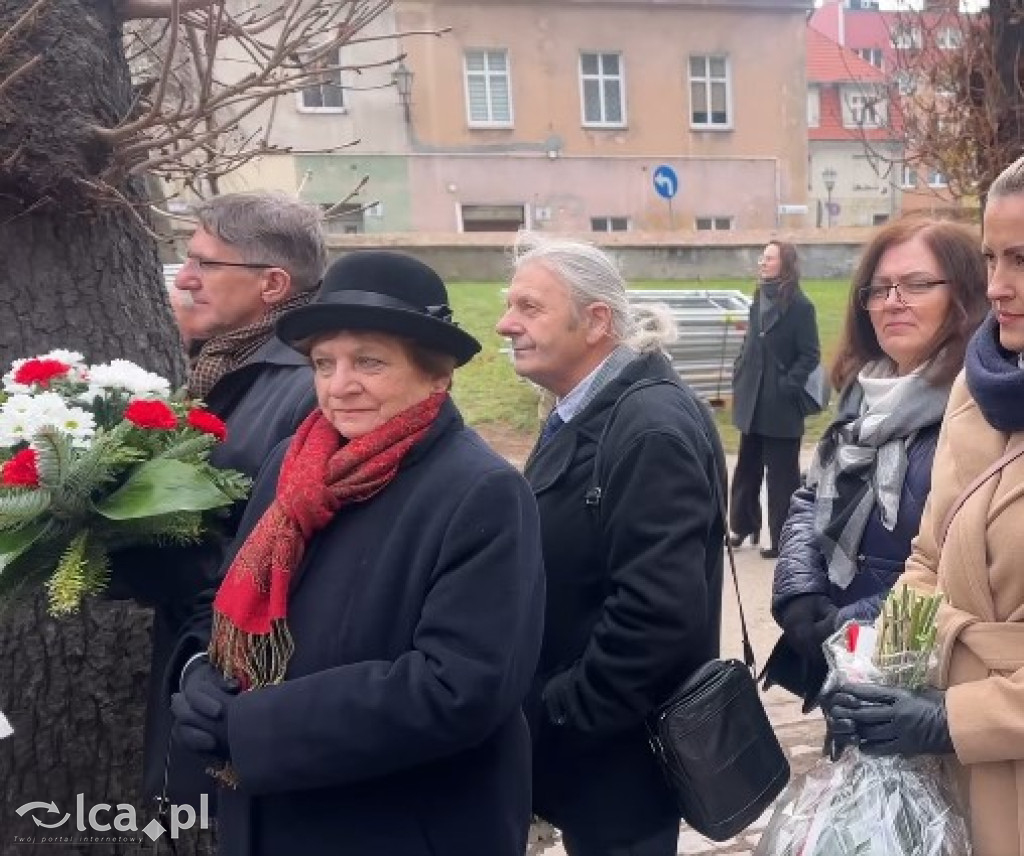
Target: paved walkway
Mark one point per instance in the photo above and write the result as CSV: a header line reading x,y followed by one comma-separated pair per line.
x,y
801,736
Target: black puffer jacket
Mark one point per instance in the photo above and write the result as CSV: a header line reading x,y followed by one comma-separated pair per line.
x,y
801,567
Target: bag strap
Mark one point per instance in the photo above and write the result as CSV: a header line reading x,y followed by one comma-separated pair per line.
x,y
595,494
958,503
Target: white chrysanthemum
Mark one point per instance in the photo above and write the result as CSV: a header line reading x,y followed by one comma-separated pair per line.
x,y
72,358
12,387
22,415
124,375
14,429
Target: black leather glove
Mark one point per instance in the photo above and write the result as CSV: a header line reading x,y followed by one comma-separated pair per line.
x,y
894,721
201,710
840,731
807,621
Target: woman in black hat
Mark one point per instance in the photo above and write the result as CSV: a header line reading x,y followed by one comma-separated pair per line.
x,y
380,616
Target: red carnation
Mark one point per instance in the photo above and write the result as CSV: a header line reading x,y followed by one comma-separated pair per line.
x,y
206,422
21,469
151,414
40,372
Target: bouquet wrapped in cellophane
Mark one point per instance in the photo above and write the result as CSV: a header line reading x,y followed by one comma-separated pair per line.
x,y
95,459
863,805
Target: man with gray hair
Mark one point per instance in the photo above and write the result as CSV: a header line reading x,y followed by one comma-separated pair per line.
x,y
252,257
628,473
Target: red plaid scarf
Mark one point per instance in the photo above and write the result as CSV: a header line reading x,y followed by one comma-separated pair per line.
x,y
250,639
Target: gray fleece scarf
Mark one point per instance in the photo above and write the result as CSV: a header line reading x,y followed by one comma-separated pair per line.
x,y
861,464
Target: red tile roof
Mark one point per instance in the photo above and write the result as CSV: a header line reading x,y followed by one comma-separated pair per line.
x,y
828,62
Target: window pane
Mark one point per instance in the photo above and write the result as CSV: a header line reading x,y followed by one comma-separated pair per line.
x,y
697,66
588,63
475,61
497,60
718,66
610,63
718,100
591,101
612,101
703,223
699,103
500,105
478,99
619,224
333,96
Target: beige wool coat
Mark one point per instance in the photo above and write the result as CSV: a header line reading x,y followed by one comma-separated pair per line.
x,y
980,568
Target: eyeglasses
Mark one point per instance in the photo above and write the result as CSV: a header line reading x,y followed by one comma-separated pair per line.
x,y
909,292
206,265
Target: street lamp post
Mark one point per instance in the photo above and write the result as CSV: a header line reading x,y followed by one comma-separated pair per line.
x,y
402,78
828,175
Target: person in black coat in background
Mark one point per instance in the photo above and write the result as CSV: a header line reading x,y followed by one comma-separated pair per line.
x,y
251,257
632,546
779,353
917,296
381,615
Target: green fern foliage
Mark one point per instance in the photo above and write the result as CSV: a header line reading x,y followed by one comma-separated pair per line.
x,y
53,450
18,506
82,570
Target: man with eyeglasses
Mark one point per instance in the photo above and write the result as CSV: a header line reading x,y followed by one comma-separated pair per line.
x,y
252,257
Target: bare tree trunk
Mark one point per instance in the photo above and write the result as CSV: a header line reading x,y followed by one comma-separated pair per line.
x,y
88,282
79,271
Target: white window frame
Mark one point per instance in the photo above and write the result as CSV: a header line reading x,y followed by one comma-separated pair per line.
x,y
601,78
331,58
936,179
708,81
861,105
906,37
872,56
908,176
490,76
607,223
715,222
949,38
813,106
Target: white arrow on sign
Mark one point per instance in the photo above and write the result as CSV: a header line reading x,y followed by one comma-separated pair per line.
x,y
666,183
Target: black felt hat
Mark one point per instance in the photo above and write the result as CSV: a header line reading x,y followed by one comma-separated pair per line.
x,y
381,291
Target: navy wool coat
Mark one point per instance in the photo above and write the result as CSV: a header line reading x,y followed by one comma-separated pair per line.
x,y
417,620
801,568
634,596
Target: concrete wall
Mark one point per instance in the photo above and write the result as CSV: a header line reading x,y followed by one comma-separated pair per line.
x,y
643,256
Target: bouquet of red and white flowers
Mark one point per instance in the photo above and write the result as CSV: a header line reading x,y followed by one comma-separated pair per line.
x,y
97,458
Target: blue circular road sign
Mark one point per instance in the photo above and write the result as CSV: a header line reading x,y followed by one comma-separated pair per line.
x,y
666,182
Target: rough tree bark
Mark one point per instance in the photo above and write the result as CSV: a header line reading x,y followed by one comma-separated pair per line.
x,y
79,271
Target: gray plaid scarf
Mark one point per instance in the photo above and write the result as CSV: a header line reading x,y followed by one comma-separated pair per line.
x,y
861,464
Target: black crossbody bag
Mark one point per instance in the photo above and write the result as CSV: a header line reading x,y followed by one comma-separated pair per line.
x,y
719,753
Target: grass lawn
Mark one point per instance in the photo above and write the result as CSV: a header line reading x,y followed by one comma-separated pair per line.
x,y
489,392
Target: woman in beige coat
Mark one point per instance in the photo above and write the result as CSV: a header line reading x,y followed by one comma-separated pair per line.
x,y
977,714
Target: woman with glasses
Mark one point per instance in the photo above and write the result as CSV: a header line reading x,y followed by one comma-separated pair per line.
x,y
975,712
779,353
917,296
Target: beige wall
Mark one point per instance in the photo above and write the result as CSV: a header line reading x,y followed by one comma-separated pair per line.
x,y
564,193
544,41
371,120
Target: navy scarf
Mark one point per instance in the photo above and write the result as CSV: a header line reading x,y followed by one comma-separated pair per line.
x,y
994,378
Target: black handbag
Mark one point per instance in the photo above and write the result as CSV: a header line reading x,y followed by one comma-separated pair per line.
x,y
712,738
715,745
